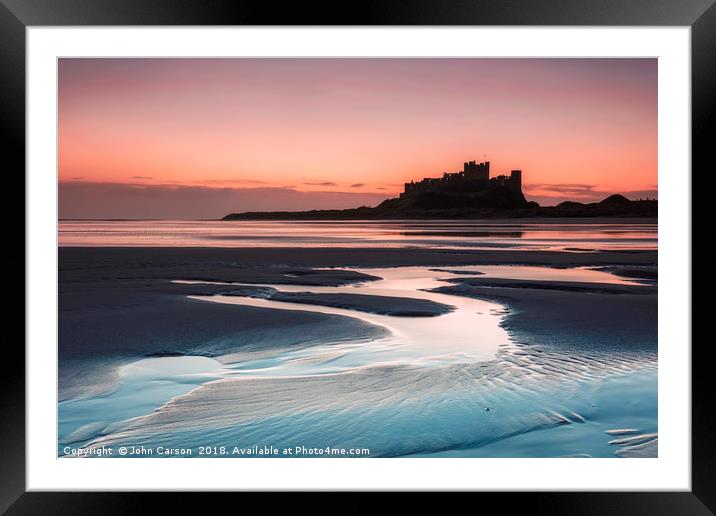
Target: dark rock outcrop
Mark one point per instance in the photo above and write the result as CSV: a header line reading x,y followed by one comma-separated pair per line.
x,y
476,205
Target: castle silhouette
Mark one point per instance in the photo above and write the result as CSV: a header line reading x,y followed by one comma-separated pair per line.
x,y
474,177
468,194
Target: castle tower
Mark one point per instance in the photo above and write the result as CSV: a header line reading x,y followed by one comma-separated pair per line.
x,y
473,170
516,180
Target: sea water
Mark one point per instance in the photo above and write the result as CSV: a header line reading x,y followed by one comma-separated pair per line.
x,y
576,236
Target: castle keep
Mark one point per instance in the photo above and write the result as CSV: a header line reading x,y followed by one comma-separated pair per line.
x,y
474,177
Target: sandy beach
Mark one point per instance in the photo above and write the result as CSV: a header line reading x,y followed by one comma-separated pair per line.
x,y
244,344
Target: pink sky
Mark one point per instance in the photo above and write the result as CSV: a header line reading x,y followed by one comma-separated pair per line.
x,y
350,130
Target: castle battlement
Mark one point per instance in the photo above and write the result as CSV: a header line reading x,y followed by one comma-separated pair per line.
x,y
474,177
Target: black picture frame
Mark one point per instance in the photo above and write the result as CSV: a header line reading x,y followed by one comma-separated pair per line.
x,y
17,15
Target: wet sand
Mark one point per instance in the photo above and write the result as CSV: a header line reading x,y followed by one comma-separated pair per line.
x,y
121,305
569,315
240,264
124,298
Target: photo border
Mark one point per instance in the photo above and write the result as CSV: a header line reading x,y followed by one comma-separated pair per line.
x,y
16,15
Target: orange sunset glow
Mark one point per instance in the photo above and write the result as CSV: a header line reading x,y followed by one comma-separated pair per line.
x,y
203,137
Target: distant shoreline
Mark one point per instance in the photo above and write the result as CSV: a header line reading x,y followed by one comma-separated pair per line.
x,y
299,217
452,206
497,220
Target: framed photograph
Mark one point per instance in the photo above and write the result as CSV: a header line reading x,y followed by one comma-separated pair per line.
x,y
430,247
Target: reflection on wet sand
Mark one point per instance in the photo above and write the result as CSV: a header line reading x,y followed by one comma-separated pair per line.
x,y
580,236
